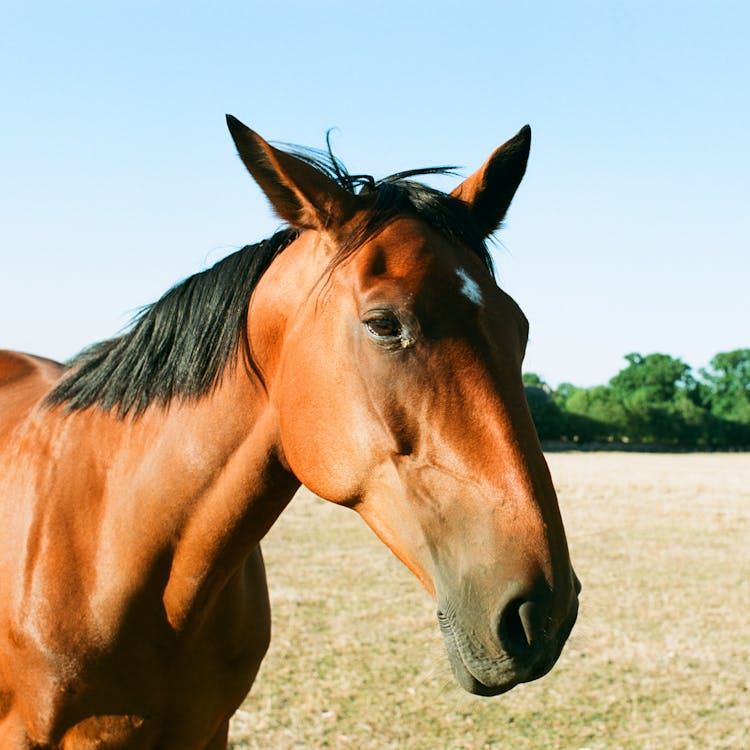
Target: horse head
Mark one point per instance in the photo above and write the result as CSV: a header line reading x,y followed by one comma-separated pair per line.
x,y
393,362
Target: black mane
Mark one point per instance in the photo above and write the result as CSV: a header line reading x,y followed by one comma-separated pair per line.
x,y
180,346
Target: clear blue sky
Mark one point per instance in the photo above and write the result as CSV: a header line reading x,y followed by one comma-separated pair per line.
x,y
630,232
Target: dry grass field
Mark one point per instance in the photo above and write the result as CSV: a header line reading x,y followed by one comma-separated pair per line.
x,y
660,657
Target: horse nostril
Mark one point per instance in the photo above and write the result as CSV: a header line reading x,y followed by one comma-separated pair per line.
x,y
516,628
521,629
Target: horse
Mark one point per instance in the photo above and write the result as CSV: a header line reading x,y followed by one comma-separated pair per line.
x,y
365,351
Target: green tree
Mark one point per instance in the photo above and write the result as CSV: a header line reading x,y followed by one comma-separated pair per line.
x,y
562,393
657,377
656,392
654,399
728,385
595,413
532,380
547,416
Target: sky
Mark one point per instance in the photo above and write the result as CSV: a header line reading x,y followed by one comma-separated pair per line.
x,y
630,232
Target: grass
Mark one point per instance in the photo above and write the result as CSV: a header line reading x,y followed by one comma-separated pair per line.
x,y
660,657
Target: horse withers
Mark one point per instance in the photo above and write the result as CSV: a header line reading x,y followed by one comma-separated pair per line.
x,y
364,351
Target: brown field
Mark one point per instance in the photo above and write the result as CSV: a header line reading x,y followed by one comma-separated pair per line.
x,y
660,657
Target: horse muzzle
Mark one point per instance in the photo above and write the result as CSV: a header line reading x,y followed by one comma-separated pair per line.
x,y
522,645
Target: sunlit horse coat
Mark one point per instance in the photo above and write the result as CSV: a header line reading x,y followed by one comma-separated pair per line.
x,y
366,352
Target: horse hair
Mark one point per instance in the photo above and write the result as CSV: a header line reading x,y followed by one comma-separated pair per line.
x,y
180,346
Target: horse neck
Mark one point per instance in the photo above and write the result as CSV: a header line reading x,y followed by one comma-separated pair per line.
x,y
241,486
236,436
198,484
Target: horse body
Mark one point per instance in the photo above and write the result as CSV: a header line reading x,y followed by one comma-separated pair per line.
x,y
379,364
126,613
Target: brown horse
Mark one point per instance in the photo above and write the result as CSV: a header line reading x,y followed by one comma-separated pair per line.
x,y
366,352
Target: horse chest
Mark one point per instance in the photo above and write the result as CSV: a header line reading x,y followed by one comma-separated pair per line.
x,y
128,696
137,683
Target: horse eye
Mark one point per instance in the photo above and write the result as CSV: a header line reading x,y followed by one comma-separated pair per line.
x,y
384,327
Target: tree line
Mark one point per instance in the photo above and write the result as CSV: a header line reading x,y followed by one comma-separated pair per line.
x,y
655,400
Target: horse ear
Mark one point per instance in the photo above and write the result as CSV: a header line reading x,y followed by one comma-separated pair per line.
x,y
300,194
489,191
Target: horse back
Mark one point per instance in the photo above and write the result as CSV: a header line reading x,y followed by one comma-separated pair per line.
x,y
24,380
15,366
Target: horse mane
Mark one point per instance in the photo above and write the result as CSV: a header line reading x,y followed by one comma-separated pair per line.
x,y
180,346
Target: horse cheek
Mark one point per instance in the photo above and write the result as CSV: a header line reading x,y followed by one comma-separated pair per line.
x,y
326,438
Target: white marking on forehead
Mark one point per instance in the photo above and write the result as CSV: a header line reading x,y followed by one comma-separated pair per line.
x,y
469,287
